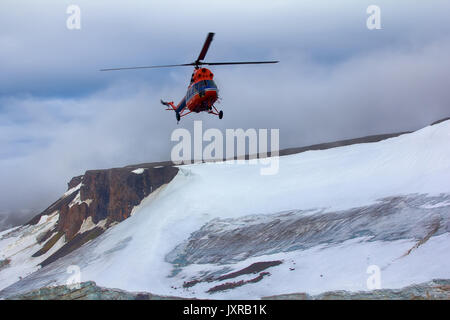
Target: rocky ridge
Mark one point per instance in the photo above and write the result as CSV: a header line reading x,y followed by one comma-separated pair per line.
x,y
97,200
438,289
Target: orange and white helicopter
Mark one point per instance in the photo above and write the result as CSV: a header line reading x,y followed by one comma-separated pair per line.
x,y
202,92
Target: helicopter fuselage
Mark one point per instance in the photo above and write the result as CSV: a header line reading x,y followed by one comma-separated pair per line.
x,y
202,92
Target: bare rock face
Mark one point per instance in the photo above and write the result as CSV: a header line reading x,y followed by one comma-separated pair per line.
x,y
438,289
111,194
101,198
74,182
4,263
87,291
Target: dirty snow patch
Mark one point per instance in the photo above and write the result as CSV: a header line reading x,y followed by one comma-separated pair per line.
x,y
88,224
77,201
72,190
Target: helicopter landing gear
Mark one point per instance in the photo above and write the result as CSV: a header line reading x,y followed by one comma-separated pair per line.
x,y
216,112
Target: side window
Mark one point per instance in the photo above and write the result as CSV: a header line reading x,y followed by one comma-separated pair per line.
x,y
211,84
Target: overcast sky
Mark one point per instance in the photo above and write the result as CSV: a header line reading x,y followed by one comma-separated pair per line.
x,y
60,116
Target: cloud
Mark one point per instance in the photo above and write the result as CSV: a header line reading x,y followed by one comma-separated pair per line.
x,y
42,57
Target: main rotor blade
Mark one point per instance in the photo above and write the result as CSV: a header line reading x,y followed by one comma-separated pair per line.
x,y
205,48
236,62
150,67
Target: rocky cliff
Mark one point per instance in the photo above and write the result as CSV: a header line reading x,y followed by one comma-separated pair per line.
x,y
97,200
438,289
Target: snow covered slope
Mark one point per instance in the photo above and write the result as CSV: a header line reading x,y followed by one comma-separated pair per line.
x,y
223,230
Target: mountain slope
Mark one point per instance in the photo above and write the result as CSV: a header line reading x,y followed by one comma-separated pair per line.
x,y
222,230
93,202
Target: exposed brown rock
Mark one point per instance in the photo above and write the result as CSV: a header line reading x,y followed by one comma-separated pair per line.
x,y
439,121
437,289
75,243
75,181
48,245
232,285
253,268
107,194
435,228
87,291
4,263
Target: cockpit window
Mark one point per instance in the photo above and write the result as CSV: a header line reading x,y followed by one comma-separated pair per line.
x,y
210,84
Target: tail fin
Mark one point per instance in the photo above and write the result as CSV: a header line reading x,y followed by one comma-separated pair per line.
x,y
170,105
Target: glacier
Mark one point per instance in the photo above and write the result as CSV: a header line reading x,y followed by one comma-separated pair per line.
x,y
317,225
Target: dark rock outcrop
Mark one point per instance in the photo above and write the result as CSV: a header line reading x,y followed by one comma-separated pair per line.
x,y
111,194
235,284
86,291
102,195
341,143
254,268
75,243
4,263
74,182
438,289
440,121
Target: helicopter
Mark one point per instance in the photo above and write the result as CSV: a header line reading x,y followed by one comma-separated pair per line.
x,y
202,91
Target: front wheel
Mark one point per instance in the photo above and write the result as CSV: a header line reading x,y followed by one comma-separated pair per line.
x,y
220,114
178,116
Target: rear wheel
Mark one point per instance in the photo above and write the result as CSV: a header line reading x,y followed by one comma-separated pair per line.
x,y
220,114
